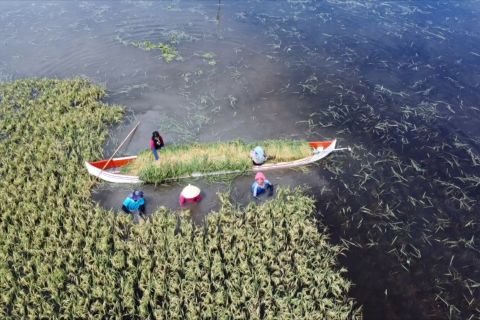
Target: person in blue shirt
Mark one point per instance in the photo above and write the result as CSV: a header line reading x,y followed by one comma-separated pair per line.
x,y
134,203
261,185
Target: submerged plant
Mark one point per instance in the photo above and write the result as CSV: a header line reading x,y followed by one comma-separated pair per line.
x,y
209,57
169,53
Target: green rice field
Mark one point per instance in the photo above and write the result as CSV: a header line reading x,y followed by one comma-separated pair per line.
x,y
62,256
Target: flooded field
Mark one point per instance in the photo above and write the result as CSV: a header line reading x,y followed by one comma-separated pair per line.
x,y
396,80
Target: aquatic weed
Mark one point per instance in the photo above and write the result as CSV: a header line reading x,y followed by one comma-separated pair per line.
x,y
169,53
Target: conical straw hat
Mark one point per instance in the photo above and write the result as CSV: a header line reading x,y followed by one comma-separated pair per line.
x,y
190,191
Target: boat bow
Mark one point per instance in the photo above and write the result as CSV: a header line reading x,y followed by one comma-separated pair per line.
x,y
321,150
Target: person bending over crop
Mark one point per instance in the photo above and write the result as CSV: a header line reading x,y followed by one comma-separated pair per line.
x,y
261,185
134,203
190,194
258,156
156,143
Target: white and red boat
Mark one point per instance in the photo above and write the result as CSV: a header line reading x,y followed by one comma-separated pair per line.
x,y
109,170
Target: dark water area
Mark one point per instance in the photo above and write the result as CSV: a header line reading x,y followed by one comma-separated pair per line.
x,y
398,81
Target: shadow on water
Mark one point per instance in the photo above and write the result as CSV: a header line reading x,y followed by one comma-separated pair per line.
x,y
396,80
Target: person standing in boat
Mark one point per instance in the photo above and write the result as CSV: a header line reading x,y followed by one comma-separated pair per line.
x,y
190,194
261,184
258,156
156,143
134,204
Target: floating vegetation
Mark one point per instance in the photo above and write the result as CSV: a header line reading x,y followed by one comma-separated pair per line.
x,y
169,53
178,36
180,160
310,85
404,187
63,257
208,57
232,100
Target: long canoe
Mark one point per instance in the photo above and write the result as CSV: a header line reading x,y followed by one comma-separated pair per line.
x,y
109,170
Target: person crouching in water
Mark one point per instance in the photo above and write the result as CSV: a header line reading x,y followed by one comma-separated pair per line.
x,y
190,194
156,143
261,185
258,156
134,204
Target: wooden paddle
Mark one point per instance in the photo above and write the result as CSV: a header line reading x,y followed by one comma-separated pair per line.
x,y
118,148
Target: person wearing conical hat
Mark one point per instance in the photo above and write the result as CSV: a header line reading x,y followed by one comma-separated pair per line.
x,y
190,194
261,185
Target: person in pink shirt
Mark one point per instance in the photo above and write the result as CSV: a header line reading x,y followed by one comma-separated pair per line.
x,y
190,194
261,184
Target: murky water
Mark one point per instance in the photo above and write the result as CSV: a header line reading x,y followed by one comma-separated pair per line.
x,y
398,81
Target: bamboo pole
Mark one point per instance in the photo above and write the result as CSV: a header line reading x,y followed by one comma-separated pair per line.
x,y
118,148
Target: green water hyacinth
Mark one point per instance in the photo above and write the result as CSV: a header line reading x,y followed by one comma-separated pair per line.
x,y
61,256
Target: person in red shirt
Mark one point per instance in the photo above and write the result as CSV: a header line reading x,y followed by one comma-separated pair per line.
x,y
156,143
190,194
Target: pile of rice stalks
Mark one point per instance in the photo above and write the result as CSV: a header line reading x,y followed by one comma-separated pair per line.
x,y
181,160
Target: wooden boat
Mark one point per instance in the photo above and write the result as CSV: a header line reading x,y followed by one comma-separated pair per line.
x,y
109,170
